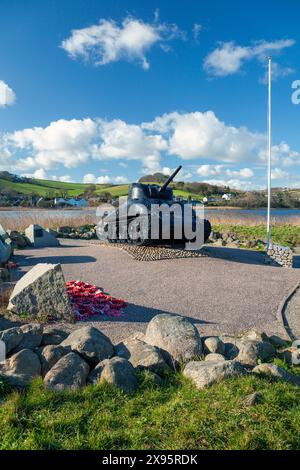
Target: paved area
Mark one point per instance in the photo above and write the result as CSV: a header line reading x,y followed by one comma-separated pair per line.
x,y
230,291
292,315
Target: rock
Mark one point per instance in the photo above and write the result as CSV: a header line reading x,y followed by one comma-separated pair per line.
x,y
215,357
250,352
296,357
90,343
277,341
142,356
251,243
205,374
32,336
271,370
153,378
174,335
220,242
64,229
39,238
53,335
41,292
253,399
19,381
214,344
296,344
290,356
5,251
24,362
12,338
3,234
50,355
18,240
70,372
231,349
116,371
254,335
4,274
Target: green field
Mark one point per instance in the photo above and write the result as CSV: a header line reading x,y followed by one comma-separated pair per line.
x,y
173,416
56,188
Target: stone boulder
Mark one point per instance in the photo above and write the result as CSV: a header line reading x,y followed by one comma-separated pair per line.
x,y
5,274
53,335
18,381
50,355
255,335
18,240
24,362
12,338
69,373
5,251
41,292
176,336
253,399
214,344
39,238
271,370
250,352
142,355
116,371
32,336
205,374
90,343
215,357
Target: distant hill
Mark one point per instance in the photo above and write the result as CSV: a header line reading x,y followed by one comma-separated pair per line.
x,y
155,178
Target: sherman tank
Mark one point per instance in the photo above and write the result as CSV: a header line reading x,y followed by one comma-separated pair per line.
x,y
141,220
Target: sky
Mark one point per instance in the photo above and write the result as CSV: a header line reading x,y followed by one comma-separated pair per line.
x,y
107,91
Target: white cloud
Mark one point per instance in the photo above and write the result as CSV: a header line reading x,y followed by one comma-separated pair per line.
x,y
120,180
197,28
243,173
229,57
109,42
232,183
209,170
189,136
39,174
282,154
62,142
203,135
278,174
90,178
7,95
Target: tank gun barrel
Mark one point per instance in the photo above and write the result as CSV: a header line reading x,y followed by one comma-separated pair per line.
x,y
166,183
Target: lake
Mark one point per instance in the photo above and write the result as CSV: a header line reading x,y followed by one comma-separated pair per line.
x,y
19,219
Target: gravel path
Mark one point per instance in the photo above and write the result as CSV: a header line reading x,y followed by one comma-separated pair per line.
x,y
230,291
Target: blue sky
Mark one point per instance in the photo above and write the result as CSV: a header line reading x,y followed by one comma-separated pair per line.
x,y
108,91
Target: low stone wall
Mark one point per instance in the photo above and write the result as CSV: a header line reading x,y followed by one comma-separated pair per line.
x,y
171,342
280,255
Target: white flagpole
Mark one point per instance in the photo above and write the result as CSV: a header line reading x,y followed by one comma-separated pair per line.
x,y
269,151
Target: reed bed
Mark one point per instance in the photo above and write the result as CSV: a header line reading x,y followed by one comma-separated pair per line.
x,y
19,220
251,220
53,220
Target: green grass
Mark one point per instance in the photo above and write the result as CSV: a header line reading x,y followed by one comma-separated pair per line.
x,y
43,187
288,235
174,416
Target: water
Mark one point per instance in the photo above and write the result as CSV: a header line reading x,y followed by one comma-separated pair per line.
x,y
253,213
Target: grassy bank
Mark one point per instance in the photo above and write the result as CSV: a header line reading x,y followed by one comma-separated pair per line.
x,y
288,235
174,416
